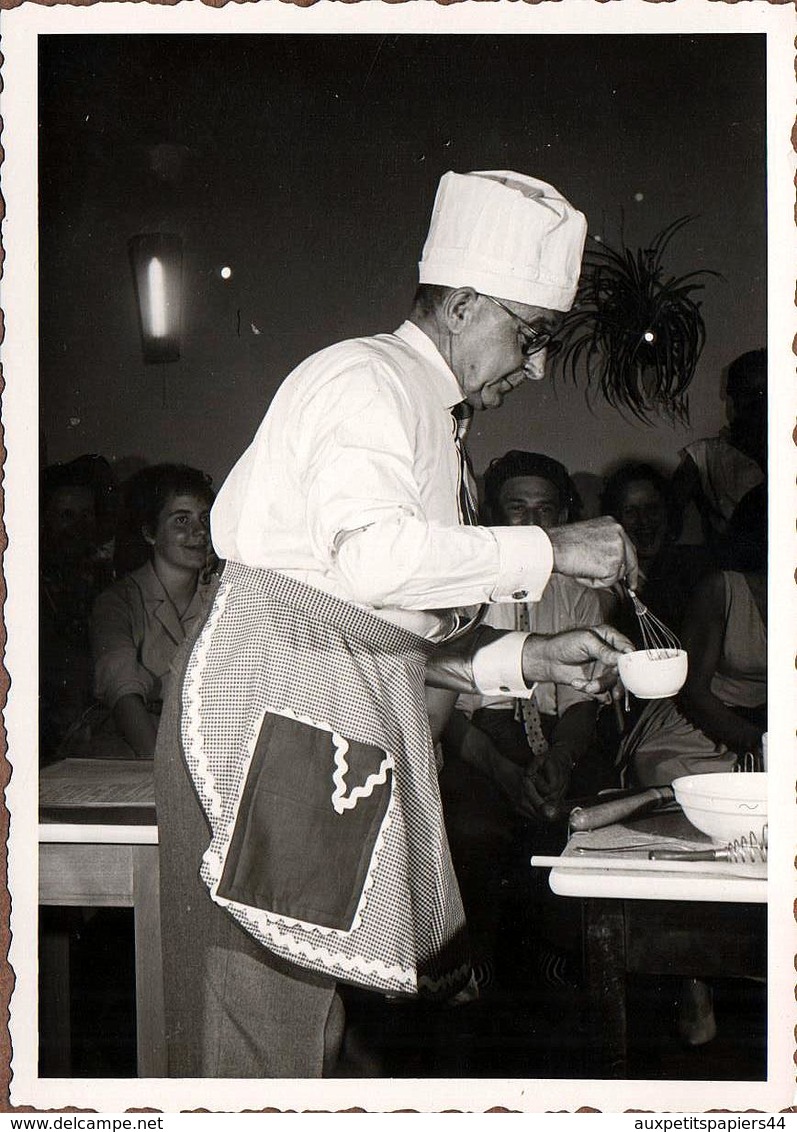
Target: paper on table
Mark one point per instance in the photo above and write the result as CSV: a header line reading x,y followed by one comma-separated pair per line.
x,y
638,843
618,848
97,782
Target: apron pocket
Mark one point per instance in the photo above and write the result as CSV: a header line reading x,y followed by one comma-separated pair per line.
x,y
307,824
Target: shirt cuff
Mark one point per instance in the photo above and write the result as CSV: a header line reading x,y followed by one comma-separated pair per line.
x,y
525,562
497,667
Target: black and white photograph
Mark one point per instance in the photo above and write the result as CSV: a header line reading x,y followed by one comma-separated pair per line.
x,y
398,408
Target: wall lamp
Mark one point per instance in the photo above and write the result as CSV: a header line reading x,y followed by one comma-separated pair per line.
x,y
157,262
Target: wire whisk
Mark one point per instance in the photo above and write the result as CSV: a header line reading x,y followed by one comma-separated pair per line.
x,y
657,639
749,850
748,762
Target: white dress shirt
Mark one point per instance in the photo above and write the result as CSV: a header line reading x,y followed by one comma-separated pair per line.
x,y
565,604
350,485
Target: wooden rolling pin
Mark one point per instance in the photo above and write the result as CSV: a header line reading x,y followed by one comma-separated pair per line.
x,y
583,818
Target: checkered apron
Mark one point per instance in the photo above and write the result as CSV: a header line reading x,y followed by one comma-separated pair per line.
x,y
305,731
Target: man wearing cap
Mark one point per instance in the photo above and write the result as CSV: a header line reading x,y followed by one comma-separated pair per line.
x,y
295,771
532,747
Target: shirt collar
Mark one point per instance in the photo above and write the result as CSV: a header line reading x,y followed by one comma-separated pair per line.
x,y
153,589
150,583
448,388
155,595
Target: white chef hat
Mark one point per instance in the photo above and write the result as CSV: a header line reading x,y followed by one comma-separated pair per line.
x,y
506,235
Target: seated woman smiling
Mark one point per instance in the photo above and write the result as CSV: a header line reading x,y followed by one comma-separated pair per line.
x,y
163,552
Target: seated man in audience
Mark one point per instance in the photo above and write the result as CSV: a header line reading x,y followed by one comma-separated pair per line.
x,y
544,750
509,765
75,502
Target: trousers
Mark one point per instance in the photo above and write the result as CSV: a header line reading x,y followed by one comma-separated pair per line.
x,y
232,1008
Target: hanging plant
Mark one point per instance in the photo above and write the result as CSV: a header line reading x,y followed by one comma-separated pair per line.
x,y
634,336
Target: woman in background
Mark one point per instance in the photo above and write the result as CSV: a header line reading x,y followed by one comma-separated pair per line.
x,y
716,472
720,716
639,497
718,721
163,559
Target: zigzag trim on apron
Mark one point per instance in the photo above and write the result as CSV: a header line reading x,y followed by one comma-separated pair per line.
x,y
213,861
311,944
340,799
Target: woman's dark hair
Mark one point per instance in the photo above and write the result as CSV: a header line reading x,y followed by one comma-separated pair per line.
x,y
144,496
745,544
618,481
519,463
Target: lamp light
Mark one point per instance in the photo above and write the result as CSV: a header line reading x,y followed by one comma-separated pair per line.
x,y
157,262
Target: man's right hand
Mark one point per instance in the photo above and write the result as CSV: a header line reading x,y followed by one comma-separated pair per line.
x,y
596,553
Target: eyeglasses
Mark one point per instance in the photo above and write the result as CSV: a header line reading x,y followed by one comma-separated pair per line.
x,y
533,340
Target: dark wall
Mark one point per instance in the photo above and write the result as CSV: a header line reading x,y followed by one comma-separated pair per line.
x,y
309,165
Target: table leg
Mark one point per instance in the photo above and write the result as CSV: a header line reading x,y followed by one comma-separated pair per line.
x,y
55,1048
150,1015
604,963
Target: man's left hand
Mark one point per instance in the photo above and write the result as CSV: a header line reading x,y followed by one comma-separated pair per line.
x,y
585,659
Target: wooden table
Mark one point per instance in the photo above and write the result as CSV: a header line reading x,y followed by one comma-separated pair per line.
x,y
98,847
700,926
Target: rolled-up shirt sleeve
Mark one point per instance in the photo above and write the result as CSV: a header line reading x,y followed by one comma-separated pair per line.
x,y
117,671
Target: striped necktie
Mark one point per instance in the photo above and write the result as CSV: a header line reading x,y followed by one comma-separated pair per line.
x,y
468,510
528,712
464,620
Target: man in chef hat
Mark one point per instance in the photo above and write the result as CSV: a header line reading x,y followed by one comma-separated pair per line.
x,y
302,841
500,265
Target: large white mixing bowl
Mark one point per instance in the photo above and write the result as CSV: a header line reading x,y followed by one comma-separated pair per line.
x,y
724,806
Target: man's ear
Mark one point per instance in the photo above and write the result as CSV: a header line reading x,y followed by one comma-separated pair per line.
x,y
459,308
147,535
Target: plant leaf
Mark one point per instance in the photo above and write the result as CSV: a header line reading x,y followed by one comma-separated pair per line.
x,y
634,336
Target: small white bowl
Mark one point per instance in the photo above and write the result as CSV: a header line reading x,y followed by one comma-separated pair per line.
x,y
653,674
724,806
